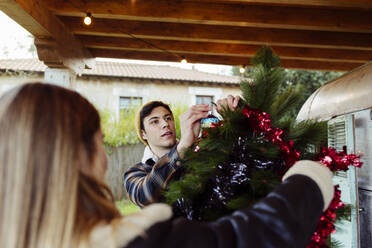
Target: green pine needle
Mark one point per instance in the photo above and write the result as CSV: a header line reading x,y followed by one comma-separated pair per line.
x,y
307,134
334,244
263,182
284,104
266,56
344,213
240,202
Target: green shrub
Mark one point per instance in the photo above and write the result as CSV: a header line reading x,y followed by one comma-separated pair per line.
x,y
177,110
119,131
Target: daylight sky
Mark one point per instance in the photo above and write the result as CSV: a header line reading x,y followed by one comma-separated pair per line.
x,y
15,42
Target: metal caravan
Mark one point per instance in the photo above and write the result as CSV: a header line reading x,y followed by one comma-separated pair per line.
x,y
346,104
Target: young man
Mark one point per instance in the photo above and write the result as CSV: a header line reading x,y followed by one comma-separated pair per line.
x,y
146,180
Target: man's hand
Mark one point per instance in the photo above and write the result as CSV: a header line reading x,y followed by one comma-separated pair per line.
x,y
230,102
190,126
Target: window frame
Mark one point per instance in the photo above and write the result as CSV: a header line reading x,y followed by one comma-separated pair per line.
x,y
130,98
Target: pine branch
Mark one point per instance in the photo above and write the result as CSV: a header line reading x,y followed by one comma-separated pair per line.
x,y
266,57
240,202
285,103
344,213
307,134
248,95
265,88
334,244
263,182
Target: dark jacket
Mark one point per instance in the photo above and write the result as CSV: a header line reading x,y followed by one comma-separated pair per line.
x,y
287,217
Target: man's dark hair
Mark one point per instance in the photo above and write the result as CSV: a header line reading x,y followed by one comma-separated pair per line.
x,y
147,109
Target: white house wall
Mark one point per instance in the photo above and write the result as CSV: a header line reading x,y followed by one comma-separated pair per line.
x,y
105,92
8,82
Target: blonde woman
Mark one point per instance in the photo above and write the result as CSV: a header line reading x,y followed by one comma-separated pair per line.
x,y
52,193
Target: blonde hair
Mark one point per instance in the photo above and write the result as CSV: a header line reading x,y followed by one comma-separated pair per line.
x,y
45,199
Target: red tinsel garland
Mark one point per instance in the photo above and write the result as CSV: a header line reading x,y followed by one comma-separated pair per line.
x,y
335,161
260,123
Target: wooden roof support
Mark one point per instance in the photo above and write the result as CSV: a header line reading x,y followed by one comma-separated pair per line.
x,y
225,34
227,14
216,59
317,3
215,48
47,51
49,32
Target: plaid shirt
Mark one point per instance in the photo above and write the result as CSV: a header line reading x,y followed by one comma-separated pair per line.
x,y
146,180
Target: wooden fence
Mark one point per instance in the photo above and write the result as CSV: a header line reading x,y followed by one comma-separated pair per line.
x,y
120,159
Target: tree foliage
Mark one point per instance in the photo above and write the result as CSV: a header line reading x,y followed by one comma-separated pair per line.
x,y
308,81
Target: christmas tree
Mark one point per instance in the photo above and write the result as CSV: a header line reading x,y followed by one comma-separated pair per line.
x,y
240,159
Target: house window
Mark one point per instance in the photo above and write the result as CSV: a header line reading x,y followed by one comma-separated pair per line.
x,y
204,99
126,103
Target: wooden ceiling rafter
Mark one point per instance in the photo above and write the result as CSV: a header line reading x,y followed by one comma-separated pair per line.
x,y
306,34
367,4
224,34
226,14
319,54
223,60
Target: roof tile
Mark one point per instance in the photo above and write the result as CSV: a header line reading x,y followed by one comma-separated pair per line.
x,y
119,69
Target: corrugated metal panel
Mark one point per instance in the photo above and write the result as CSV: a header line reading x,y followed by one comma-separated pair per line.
x,y
347,94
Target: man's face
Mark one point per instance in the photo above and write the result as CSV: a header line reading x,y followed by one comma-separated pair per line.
x,y
160,131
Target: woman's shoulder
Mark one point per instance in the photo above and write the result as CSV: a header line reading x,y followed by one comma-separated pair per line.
x,y
120,232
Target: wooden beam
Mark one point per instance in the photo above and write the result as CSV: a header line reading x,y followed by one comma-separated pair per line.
x,y
214,48
223,60
47,51
365,4
244,15
223,34
45,26
15,12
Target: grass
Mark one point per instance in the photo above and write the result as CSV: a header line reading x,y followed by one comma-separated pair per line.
x,y
126,207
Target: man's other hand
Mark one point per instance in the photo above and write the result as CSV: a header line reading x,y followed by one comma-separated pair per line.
x,y
230,102
190,126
